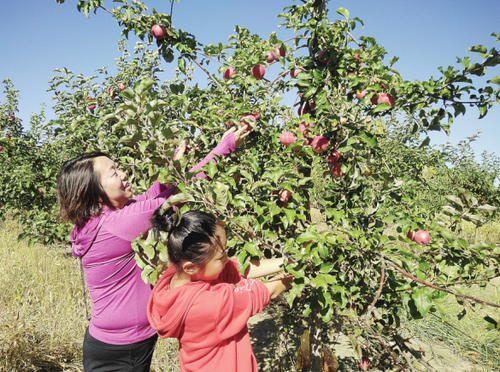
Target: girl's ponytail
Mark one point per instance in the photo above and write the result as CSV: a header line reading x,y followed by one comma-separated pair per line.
x,y
191,236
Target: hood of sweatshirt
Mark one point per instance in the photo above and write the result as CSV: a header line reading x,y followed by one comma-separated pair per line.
x,y
84,233
167,308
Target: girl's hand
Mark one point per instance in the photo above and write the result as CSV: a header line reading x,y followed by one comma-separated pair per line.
x,y
239,134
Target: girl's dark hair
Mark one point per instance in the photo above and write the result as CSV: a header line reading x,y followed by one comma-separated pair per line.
x,y
190,239
79,192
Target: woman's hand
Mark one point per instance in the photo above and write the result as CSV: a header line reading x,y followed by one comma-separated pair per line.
x,y
239,134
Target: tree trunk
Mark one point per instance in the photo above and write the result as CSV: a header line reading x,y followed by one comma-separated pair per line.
x,y
315,340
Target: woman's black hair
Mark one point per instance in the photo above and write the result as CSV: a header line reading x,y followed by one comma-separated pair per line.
x,y
79,191
190,239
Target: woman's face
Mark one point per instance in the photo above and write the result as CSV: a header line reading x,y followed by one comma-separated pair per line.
x,y
212,269
113,181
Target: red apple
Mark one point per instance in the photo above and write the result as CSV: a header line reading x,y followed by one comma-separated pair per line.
x,y
248,120
229,125
312,105
286,138
319,143
324,57
258,71
285,195
410,234
361,94
302,111
159,32
386,97
295,72
91,107
334,157
40,191
271,57
374,99
10,118
421,237
256,115
337,170
356,56
228,73
1,148
121,86
280,52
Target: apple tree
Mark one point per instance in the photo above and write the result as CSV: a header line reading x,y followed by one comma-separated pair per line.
x,y
346,242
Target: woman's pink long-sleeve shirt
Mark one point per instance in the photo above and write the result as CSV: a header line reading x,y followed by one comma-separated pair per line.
x,y
119,296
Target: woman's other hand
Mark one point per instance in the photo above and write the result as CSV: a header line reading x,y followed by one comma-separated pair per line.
x,y
239,134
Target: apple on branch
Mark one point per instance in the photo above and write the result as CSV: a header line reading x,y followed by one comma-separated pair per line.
x,y
159,32
295,72
319,143
258,71
228,73
121,86
386,97
421,237
286,138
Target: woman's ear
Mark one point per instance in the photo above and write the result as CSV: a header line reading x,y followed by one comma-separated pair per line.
x,y
190,268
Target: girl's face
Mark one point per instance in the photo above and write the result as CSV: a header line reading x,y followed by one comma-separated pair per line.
x,y
113,181
212,269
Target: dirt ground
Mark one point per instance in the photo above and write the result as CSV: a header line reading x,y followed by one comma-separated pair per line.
x,y
266,344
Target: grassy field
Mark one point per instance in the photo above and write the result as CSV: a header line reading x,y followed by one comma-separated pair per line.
x,y
43,316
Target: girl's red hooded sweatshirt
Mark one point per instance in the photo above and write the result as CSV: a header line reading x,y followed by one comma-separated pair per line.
x,y
210,319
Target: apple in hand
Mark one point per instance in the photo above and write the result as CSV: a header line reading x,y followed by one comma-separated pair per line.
x,y
286,138
421,237
228,73
248,120
159,32
319,143
258,71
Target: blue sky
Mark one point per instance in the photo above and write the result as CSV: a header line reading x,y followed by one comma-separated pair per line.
x,y
37,36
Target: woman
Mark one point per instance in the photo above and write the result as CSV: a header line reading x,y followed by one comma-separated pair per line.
x,y
95,195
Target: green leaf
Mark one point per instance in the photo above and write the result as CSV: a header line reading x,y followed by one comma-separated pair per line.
x,y
182,65
495,80
382,107
370,141
144,85
477,49
252,248
306,236
490,322
175,199
425,143
343,12
127,93
423,300
223,194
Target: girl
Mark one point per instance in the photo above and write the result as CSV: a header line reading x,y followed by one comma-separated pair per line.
x,y
196,300
94,194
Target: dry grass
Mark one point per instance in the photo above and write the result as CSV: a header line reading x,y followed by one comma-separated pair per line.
x,y
43,321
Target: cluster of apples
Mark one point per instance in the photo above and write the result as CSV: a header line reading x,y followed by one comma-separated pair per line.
x,y
377,98
318,143
421,237
258,71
